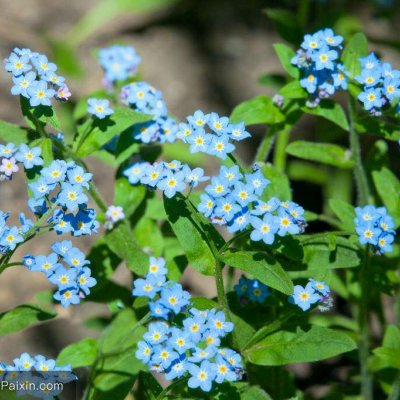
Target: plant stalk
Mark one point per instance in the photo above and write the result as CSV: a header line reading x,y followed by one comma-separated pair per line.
x,y
280,149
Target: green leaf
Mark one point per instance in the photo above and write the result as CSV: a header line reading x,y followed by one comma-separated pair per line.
x,y
194,233
286,24
319,256
126,147
258,110
325,153
122,243
262,267
148,235
344,211
388,188
148,387
279,186
127,196
23,316
101,131
79,354
331,111
13,133
287,347
116,372
255,393
389,353
375,127
39,116
66,58
356,47
285,54
293,90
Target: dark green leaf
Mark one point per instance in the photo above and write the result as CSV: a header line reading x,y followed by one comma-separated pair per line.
x,y
279,186
121,241
148,387
127,196
38,117
258,110
194,233
262,267
148,235
285,54
286,24
324,153
293,90
388,188
331,111
344,211
389,353
13,133
23,316
287,347
356,47
79,354
101,131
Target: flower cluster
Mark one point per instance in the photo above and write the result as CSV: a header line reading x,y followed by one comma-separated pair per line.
x,y
375,226
251,290
321,74
118,63
169,177
380,84
10,156
100,108
11,236
313,292
211,134
188,346
143,97
234,200
63,184
35,78
73,282
39,374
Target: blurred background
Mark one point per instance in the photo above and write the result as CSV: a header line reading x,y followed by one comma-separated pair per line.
x,y
209,55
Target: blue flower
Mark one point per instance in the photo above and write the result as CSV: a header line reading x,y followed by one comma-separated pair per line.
x,y
330,38
264,229
240,221
144,351
220,146
201,376
218,124
312,42
40,94
67,296
55,172
85,281
324,58
22,84
217,323
46,264
177,368
195,327
286,224
199,354
194,176
75,258
258,181
198,119
199,141
369,77
219,187
368,233
224,371
7,150
71,196
244,193
164,356
153,174
30,157
320,287
371,98
146,287
257,291
391,88
157,333
99,107
78,176
43,65
305,297
175,298
63,277
24,363
157,266
226,207
206,205
17,65
136,171
172,183
10,238
238,131
370,62
232,174
61,248
158,310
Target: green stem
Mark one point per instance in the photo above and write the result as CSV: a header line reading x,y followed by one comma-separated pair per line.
x,y
219,281
236,162
280,149
229,281
363,192
97,197
366,378
395,393
266,145
329,220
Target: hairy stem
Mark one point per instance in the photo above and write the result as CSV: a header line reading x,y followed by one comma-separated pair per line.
x,y
266,145
280,149
366,378
363,192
